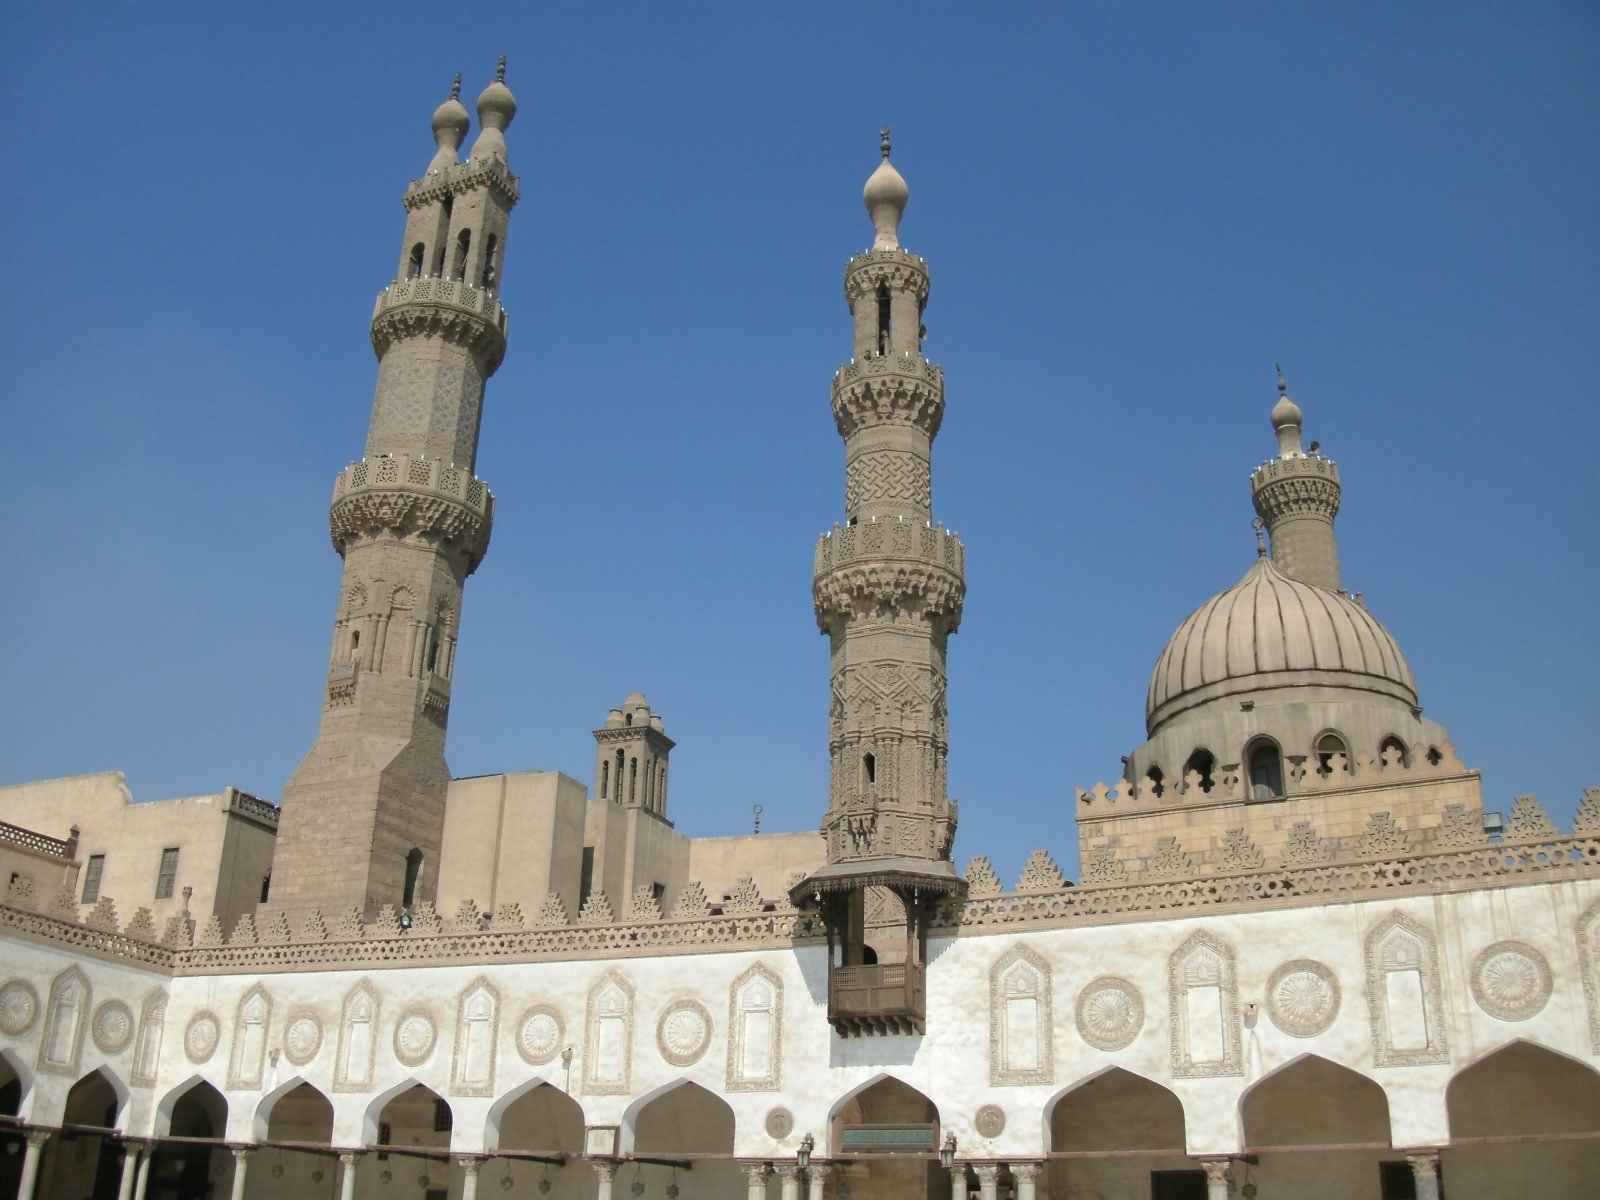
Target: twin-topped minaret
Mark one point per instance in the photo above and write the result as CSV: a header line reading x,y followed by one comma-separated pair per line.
x,y
888,590
363,814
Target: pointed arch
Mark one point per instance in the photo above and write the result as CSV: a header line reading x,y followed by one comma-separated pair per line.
x,y
1205,1008
147,1043
608,1035
66,1014
535,1115
99,1098
358,1038
888,1100
695,1120
298,1098
409,1098
1311,1100
1115,1109
168,1104
755,1031
16,1084
251,1022
1588,933
1523,1087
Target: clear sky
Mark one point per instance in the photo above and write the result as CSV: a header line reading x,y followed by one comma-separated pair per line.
x,y
1130,211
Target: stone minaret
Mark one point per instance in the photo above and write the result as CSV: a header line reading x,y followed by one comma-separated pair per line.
x,y
363,814
1297,497
630,763
889,586
888,591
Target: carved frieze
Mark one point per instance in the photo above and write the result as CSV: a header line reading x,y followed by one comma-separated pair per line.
x,y
898,270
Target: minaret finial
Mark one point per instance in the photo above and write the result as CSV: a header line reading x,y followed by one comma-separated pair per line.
x,y
1261,538
455,87
500,70
883,135
1283,384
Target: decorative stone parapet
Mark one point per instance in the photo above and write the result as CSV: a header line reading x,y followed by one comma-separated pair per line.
x,y
250,806
897,387
39,843
897,566
489,173
1282,486
412,498
448,308
898,270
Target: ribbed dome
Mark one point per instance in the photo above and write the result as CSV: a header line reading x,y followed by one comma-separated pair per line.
x,y
1262,629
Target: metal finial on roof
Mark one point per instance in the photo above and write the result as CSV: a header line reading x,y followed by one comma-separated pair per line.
x,y
1283,384
500,70
455,87
1261,540
884,135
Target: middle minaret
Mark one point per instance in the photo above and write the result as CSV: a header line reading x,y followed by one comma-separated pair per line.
x,y
889,583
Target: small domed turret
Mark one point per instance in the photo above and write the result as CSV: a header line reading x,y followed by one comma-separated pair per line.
x,y
1286,421
496,109
450,123
885,196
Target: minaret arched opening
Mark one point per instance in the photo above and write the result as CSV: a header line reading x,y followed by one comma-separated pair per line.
x,y
885,319
414,265
486,272
458,267
413,877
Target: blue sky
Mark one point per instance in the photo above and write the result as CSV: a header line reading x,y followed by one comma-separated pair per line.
x,y
1130,210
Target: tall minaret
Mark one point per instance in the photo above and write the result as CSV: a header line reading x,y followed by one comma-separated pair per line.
x,y
888,591
363,814
1297,497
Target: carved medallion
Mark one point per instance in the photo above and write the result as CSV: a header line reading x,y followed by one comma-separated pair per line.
x,y
780,1123
112,1028
1302,998
414,1034
1510,980
302,1038
1110,1013
539,1035
201,1037
990,1120
19,1007
684,1032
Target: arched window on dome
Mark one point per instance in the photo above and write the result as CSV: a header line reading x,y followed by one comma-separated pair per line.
x,y
1329,745
1202,763
1266,769
1158,784
1392,752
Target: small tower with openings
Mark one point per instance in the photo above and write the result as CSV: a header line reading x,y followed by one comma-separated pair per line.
x,y
631,748
888,590
1297,496
363,814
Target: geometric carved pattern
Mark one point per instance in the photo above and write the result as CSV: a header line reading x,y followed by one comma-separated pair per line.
x,y
1103,867
1305,847
302,1037
414,1036
1303,998
1110,1013
981,879
1040,874
358,1037
1383,838
539,1035
112,1029
1459,828
1528,821
887,475
989,1120
1169,861
1204,999
1587,819
19,1007
249,1039
1239,853
1021,1028
1403,994
1510,980
201,1037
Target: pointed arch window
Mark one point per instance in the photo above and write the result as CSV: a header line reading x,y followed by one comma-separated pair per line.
x,y
1202,763
1392,752
884,327
486,277
1266,769
458,268
1329,745
414,266
413,877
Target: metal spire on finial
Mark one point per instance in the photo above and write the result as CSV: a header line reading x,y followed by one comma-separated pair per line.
x,y
884,134
500,70
1261,541
455,87
1283,384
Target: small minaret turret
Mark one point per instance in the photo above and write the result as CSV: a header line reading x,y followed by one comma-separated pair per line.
x,y
1297,496
631,749
363,814
888,591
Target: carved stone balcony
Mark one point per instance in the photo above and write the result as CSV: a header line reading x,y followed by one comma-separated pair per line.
x,y
407,497
902,388
877,998
429,305
889,567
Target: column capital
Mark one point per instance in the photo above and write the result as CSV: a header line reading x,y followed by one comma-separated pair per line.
x,y
819,1170
349,1158
37,1137
1424,1160
755,1172
786,1169
469,1163
1216,1169
243,1152
987,1172
605,1168
1026,1170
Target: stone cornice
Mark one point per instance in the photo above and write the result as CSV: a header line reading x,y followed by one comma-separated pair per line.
x,y
625,733
416,498
902,388
899,270
463,177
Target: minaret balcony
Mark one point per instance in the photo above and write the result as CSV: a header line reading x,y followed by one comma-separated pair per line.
x,y
896,565
898,270
412,497
1309,484
899,386
448,308
874,998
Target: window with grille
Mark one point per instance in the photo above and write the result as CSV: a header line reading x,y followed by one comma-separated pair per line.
x,y
168,874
